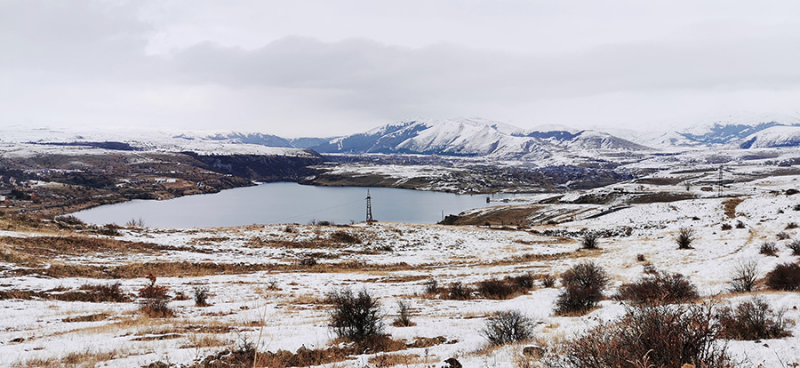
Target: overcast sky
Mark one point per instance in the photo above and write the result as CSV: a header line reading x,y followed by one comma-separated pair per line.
x,y
322,68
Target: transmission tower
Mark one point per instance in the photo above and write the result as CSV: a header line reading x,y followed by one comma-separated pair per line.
x,y
719,182
369,208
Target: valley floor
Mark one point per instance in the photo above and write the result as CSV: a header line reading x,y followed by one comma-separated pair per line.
x,y
267,284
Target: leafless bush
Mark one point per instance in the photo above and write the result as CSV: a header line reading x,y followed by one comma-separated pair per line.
x,y
768,248
584,284
548,280
345,237
745,275
431,287
727,227
795,247
457,291
135,223
201,296
740,224
154,300
685,238
784,276
590,240
752,320
655,336
355,317
640,258
659,288
506,288
308,261
404,314
791,225
782,235
507,327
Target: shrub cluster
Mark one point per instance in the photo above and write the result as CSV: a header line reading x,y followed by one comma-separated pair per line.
x,y
659,288
506,288
768,248
784,276
655,336
154,300
459,291
507,327
355,317
752,320
584,284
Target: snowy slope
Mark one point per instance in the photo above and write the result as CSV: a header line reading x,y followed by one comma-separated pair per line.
x,y
774,137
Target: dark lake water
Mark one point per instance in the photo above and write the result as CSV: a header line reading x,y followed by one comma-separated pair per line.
x,y
278,203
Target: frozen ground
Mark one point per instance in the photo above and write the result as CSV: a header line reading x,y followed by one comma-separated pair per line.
x,y
282,306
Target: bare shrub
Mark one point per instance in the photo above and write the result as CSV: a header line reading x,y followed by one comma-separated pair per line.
x,y
727,227
201,296
745,275
640,258
308,261
791,225
740,224
355,317
154,300
768,248
524,281
782,235
503,289
507,327
659,288
106,293
795,247
345,237
431,287
589,240
685,238
135,223
784,276
584,284
548,280
457,291
752,320
655,336
404,314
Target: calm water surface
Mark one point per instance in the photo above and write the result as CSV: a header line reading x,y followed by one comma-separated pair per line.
x,y
277,203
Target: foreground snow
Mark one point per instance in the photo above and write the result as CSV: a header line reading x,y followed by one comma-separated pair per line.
x,y
396,260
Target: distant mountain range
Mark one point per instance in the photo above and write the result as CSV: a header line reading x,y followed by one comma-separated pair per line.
x,y
458,137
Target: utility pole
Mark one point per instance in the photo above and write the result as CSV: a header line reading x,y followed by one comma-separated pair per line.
x,y
369,208
719,182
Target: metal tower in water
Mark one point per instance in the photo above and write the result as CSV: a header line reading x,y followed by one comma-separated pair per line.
x,y
369,208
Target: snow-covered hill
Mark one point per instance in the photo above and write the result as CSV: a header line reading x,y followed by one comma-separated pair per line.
x,y
773,137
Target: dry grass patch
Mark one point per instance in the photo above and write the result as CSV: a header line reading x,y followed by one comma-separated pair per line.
x,y
87,318
85,359
729,206
52,246
391,360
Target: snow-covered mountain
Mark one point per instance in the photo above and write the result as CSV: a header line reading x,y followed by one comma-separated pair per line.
x,y
472,137
734,131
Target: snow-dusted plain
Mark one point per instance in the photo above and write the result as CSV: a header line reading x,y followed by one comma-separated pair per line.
x,y
283,308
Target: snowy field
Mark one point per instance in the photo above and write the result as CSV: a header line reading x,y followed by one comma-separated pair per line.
x,y
273,296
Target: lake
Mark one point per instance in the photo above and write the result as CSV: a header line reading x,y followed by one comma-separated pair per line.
x,y
277,203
